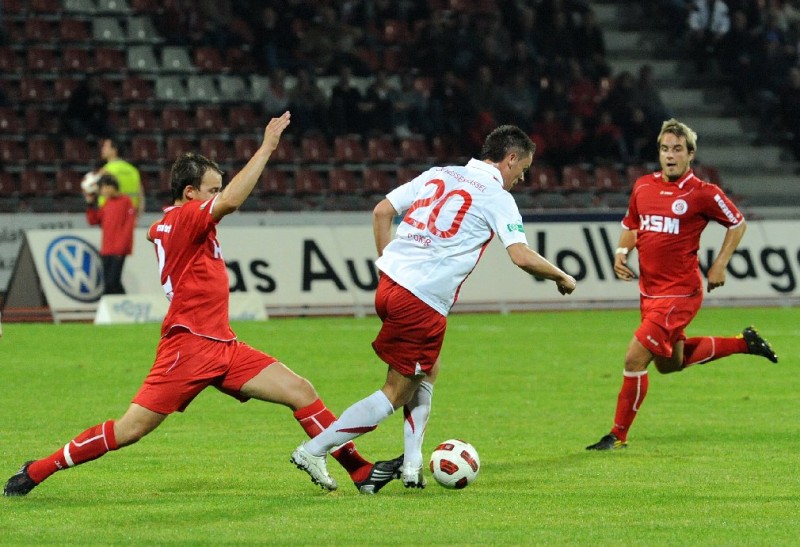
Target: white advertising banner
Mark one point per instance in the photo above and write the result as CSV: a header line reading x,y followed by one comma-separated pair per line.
x,y
296,270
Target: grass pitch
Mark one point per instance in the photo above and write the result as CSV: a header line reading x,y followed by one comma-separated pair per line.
x,y
713,455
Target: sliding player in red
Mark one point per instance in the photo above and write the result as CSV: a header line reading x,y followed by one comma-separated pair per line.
x,y
198,349
668,211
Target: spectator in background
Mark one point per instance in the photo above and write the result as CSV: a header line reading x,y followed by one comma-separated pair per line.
x,y
377,104
344,114
737,53
450,109
117,219
486,96
790,110
647,98
410,110
307,104
128,177
608,140
520,99
86,114
708,23
273,41
276,97
589,40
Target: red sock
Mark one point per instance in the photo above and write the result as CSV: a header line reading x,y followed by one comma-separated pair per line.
x,y
710,348
631,396
316,417
88,446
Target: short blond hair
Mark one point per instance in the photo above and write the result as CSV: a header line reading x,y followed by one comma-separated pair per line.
x,y
679,129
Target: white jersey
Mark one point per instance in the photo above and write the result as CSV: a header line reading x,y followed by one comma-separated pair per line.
x,y
452,214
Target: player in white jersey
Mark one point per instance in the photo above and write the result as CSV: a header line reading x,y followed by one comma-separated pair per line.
x,y
451,215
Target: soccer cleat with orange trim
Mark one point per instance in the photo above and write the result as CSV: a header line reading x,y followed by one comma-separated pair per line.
x,y
608,442
756,345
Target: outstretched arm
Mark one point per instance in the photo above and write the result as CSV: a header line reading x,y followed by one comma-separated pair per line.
x,y
535,264
237,190
716,273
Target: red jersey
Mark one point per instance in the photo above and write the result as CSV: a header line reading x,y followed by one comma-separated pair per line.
x,y
192,270
117,219
669,218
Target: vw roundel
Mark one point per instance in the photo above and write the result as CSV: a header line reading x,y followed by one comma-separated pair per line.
x,y
75,267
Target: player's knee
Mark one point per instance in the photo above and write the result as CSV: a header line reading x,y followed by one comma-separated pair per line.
x,y
668,366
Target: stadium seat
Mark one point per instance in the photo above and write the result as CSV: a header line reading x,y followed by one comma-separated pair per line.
x,y
348,149
707,173
176,59
8,185
141,30
378,182
233,88
414,150
146,6
109,59
9,60
244,146
9,121
343,182
380,149
175,119
405,174
11,151
309,183
443,150
33,183
141,58
202,88
243,118
543,178
177,146
46,7
86,7
575,178
63,88
41,59
76,59
141,119
171,89
208,59
68,182
395,31
284,152
73,30
112,6
216,149
163,186
77,150
608,179
136,89
145,150
314,149
38,30
209,119
274,182
42,150
107,29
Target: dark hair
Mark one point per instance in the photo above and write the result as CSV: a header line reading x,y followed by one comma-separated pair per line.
x,y
108,180
116,143
188,170
505,139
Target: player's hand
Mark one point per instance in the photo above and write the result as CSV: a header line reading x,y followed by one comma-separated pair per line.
x,y
274,129
621,269
716,277
566,285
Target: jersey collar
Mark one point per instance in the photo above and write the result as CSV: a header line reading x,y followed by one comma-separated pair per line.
x,y
490,170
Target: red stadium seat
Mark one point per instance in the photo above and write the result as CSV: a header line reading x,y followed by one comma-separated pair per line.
x,y
315,149
9,60
68,182
11,151
608,179
76,59
42,150
8,185
244,146
348,149
215,148
41,59
78,150
208,59
178,146
381,150
414,150
110,59
378,181
175,119
308,183
344,182
210,119
46,7
575,178
73,30
634,172
405,174
136,89
274,183
33,183
63,88
39,31
542,178
9,121
145,150
141,119
242,118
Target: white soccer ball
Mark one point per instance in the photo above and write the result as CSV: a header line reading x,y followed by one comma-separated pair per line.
x,y
89,182
455,464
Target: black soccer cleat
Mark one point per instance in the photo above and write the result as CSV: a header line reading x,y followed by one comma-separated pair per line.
x,y
756,345
381,474
20,483
608,442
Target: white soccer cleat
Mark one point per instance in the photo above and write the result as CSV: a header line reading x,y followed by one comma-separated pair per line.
x,y
412,477
315,466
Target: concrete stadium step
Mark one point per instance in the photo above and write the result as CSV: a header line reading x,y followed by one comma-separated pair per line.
x,y
741,156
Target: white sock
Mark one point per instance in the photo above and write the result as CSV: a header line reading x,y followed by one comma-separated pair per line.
x,y
361,417
416,412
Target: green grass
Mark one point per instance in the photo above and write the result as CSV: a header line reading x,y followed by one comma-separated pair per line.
x,y
713,456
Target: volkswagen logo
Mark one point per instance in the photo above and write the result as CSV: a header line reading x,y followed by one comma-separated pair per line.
x,y
75,267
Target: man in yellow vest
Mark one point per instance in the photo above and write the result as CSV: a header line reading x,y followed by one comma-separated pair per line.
x,y
130,183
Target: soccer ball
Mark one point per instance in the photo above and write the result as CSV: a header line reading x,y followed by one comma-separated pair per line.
x,y
89,182
455,464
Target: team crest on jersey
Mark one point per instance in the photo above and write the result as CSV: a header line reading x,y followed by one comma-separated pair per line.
x,y
679,206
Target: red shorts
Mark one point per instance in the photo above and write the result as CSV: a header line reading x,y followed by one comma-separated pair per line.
x,y
412,333
664,321
186,364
